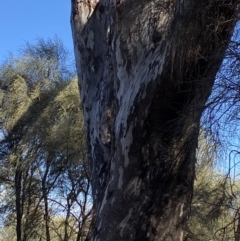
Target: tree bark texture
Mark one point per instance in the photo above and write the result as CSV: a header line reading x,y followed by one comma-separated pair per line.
x,y
146,69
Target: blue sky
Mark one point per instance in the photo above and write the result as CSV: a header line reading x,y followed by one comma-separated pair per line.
x,y
26,20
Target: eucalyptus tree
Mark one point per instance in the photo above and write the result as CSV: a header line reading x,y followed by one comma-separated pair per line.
x,y
146,69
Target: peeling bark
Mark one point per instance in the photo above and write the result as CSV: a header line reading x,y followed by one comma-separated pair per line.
x,y
146,69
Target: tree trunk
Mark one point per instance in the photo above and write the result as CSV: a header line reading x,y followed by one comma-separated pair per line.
x,y
45,191
66,223
46,216
18,202
146,69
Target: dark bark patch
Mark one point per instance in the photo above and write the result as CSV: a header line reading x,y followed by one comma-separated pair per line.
x,y
109,195
129,65
156,37
101,9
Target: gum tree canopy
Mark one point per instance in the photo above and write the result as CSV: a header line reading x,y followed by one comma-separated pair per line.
x,y
146,69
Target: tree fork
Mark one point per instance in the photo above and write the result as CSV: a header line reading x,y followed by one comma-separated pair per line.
x,y
146,69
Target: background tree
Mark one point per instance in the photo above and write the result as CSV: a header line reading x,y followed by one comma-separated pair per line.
x,y
43,145
221,121
213,208
143,90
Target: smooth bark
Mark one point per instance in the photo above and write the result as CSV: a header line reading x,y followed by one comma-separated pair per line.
x,y
146,69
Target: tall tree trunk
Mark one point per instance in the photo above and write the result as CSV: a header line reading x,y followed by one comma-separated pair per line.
x,y
18,202
66,222
46,215
146,69
45,191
